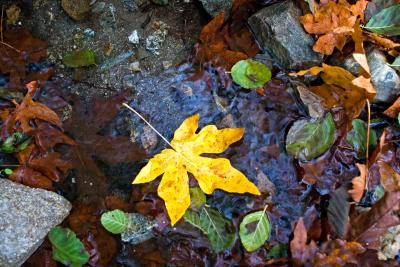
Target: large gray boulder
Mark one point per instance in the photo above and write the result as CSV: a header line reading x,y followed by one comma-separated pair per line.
x,y
26,216
214,7
278,30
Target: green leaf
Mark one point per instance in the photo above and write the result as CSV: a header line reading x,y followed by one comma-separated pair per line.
x,y
396,64
308,139
197,198
114,221
357,137
250,74
67,248
218,229
252,240
386,22
7,171
15,143
80,58
278,251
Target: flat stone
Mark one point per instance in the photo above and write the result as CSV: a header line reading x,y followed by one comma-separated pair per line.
x,y
26,216
278,30
214,7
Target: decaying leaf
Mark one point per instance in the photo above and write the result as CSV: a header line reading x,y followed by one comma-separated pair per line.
x,y
334,22
301,251
250,74
254,239
343,253
338,211
390,179
185,157
341,88
359,182
13,14
80,58
381,41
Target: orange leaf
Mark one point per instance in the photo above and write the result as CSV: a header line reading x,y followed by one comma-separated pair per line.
x,y
30,177
383,42
393,110
359,183
334,22
390,179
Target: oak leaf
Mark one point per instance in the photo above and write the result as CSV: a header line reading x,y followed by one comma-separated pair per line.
x,y
211,173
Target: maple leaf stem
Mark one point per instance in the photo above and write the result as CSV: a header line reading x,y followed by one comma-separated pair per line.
x,y
367,145
148,123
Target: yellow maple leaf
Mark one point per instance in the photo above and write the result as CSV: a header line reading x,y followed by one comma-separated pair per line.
x,y
211,173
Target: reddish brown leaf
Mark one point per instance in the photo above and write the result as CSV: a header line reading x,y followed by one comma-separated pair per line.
x,y
47,137
390,179
30,177
301,251
50,164
381,41
369,226
115,202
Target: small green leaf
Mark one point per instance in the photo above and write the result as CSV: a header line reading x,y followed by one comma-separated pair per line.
x,y
396,64
67,248
7,171
114,221
386,22
218,229
197,198
278,251
15,143
250,74
308,139
80,58
252,240
357,137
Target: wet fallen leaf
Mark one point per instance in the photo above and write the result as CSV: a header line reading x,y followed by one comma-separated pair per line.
x,y
344,253
308,139
396,64
393,110
386,22
30,177
390,179
357,137
80,58
185,157
383,42
341,88
334,22
115,221
13,14
367,227
338,211
302,252
359,183
250,74
254,239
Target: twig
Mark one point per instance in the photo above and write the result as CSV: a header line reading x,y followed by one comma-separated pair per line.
x,y
9,165
367,145
10,46
148,123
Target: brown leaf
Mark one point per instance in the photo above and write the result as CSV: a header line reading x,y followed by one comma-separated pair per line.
x,y
381,41
334,22
359,183
301,251
50,164
30,177
369,226
393,110
390,179
47,137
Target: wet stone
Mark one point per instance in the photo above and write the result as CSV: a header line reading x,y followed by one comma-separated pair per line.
x,y
214,7
26,216
278,30
139,229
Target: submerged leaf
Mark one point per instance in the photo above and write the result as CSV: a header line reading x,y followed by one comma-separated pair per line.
x,y
386,22
211,173
218,229
357,137
309,139
114,221
80,58
198,198
252,240
250,74
67,248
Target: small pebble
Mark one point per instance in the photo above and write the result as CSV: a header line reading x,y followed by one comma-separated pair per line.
x,y
134,37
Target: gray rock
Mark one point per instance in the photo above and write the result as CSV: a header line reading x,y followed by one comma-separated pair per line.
x,y
214,7
26,216
278,30
384,78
